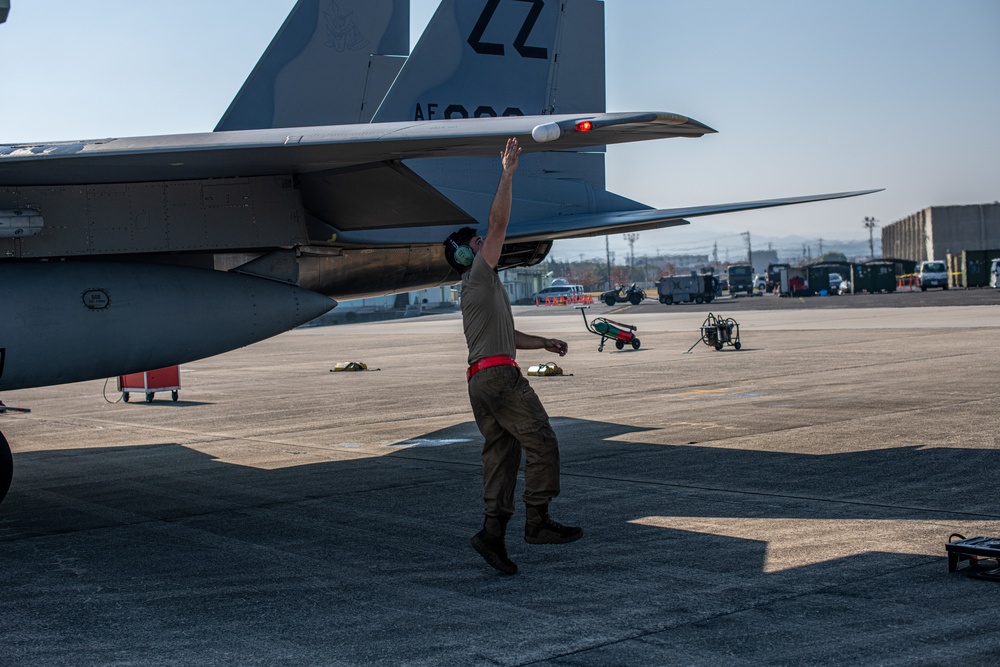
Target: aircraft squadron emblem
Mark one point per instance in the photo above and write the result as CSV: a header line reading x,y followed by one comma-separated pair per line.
x,y
341,32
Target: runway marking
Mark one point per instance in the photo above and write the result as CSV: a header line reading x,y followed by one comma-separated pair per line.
x,y
793,543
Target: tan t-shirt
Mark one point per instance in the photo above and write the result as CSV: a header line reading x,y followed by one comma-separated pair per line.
x,y
486,316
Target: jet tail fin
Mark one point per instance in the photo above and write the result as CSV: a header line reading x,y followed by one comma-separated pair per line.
x,y
329,64
510,58
503,58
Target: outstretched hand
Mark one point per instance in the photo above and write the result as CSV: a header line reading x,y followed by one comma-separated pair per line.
x,y
556,346
509,155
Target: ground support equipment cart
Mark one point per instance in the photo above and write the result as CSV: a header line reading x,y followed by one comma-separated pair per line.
x,y
622,334
150,382
717,331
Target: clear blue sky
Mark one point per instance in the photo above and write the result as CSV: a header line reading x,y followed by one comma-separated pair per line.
x,y
807,97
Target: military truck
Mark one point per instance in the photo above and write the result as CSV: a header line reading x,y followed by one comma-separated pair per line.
x,y
685,289
740,278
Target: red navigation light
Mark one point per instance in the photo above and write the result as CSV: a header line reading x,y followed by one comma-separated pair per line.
x,y
584,126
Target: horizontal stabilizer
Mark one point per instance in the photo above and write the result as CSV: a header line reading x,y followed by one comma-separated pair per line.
x,y
599,224
307,149
581,225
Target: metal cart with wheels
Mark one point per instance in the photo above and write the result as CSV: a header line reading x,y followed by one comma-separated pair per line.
x,y
150,382
622,334
718,331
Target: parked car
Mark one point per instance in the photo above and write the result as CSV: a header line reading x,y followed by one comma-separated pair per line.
x,y
760,283
932,274
835,280
995,273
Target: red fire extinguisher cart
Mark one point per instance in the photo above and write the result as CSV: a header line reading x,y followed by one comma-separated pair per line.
x,y
150,382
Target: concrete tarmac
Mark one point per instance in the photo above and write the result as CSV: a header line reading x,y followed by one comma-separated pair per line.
x,y
785,504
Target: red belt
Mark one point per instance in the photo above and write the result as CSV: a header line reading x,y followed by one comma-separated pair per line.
x,y
489,362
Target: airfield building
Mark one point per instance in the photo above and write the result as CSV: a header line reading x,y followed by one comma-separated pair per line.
x,y
938,231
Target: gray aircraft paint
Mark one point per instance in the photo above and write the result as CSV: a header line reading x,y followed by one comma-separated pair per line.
x,y
328,57
301,150
465,65
72,321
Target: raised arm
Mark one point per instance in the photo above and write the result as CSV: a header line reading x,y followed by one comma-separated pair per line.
x,y
496,233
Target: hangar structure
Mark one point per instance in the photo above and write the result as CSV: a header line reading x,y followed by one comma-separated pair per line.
x,y
939,231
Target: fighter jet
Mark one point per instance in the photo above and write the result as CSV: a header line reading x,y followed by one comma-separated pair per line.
x,y
336,173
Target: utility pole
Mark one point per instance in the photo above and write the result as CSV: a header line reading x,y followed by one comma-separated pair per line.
x,y
631,238
607,253
870,224
749,251
715,254
820,248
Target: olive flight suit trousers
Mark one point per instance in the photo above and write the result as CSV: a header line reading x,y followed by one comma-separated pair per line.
x,y
511,418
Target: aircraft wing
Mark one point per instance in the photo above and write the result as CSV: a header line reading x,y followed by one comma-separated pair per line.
x,y
309,149
581,225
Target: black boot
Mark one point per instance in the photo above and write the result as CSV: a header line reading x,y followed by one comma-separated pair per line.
x,y
489,542
539,528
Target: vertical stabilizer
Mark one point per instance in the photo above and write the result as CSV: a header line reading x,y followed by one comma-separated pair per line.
x,y
330,63
500,58
510,57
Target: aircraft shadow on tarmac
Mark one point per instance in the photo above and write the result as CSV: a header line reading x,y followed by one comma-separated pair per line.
x,y
628,495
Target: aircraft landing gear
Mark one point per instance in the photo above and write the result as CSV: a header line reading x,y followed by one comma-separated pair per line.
x,y
6,467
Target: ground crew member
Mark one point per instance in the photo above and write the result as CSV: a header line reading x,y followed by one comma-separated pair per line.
x,y
508,412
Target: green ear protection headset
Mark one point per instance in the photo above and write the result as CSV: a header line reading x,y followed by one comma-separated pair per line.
x,y
463,254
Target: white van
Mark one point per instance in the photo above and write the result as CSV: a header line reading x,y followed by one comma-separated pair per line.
x,y
932,274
